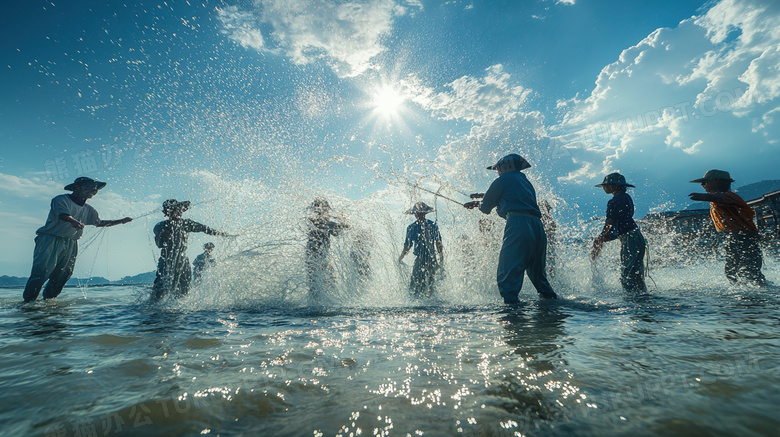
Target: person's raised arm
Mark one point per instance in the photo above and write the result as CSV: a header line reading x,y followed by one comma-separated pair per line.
x,y
210,231
723,198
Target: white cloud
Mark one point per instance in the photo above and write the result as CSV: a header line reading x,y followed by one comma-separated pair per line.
x,y
483,101
494,109
29,188
701,94
240,26
347,35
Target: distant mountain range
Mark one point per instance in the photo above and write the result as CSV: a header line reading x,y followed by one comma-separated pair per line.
x,y
143,278
754,191
747,192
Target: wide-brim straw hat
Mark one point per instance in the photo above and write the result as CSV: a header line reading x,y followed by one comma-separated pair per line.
x,y
510,163
614,179
84,181
420,208
175,205
714,174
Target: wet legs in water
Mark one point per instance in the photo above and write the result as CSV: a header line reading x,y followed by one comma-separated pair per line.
x,y
423,282
743,258
321,276
172,277
632,255
53,259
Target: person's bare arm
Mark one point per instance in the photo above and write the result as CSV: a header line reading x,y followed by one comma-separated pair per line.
x,y
106,223
73,222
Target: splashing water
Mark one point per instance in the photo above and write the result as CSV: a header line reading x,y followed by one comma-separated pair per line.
x,y
249,352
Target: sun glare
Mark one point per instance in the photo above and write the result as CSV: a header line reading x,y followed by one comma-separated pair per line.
x,y
387,101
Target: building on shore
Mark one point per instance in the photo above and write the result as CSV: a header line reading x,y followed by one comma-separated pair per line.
x,y
767,208
681,237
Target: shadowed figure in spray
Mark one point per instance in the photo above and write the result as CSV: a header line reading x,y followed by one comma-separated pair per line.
x,y
620,224
424,236
732,215
56,243
173,268
524,250
360,254
203,262
319,269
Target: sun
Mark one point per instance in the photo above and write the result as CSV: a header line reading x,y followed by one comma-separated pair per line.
x,y
387,101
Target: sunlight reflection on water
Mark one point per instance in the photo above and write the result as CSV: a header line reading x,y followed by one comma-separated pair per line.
x,y
596,362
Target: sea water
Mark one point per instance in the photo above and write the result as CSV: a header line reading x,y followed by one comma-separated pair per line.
x,y
694,356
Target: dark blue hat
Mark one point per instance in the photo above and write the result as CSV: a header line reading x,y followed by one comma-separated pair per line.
x,y
84,181
614,179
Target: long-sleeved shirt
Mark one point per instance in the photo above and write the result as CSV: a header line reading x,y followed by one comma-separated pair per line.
x,y
511,192
320,230
175,245
620,209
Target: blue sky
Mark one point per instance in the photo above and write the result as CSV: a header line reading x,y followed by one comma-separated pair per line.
x,y
254,107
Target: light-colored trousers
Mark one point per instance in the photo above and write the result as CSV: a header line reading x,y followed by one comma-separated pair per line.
x,y
53,260
524,251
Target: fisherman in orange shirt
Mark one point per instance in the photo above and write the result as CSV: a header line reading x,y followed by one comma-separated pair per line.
x,y
731,214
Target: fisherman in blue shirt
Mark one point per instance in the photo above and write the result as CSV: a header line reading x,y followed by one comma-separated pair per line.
x,y
524,250
424,236
620,224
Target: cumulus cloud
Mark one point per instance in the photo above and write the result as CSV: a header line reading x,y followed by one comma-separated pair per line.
x,y
494,108
704,93
347,35
483,101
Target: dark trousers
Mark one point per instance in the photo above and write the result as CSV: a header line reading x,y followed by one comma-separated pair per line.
x,y
743,258
173,276
422,284
632,254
